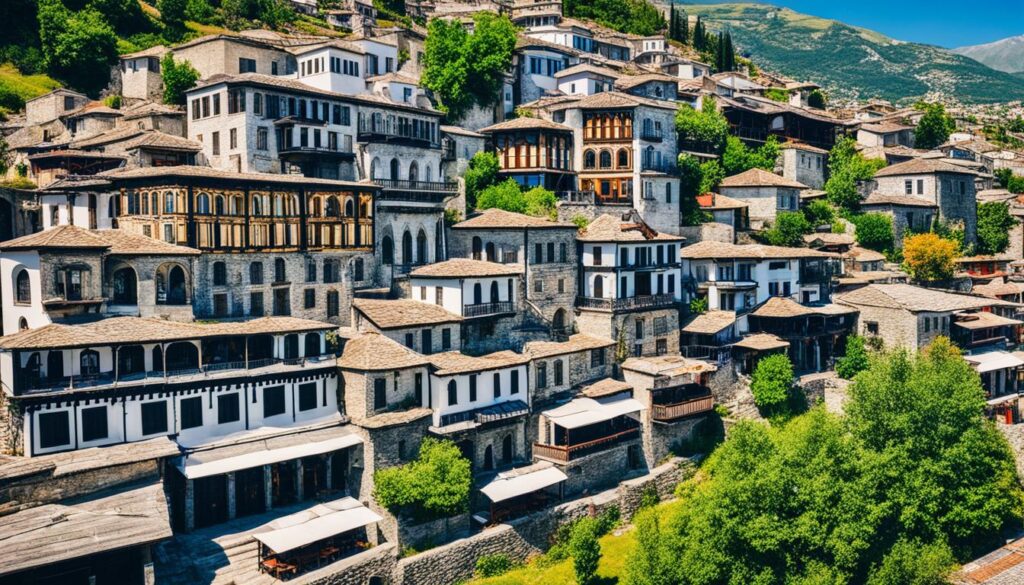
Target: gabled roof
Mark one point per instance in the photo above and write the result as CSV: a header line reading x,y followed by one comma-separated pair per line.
x,y
782,307
864,255
452,362
914,298
375,352
830,239
760,178
190,171
400,313
631,81
500,219
710,323
877,198
608,228
605,387
922,166
115,241
466,268
711,250
717,201
588,68
761,342
575,343
160,140
525,123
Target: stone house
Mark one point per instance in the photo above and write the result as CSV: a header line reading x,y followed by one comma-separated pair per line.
x,y
909,214
804,164
537,61
586,79
729,217
655,86
421,327
948,187
53,105
560,367
546,251
141,78
765,193
816,334
885,134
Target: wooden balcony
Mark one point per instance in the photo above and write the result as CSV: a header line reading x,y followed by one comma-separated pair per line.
x,y
488,309
627,304
566,453
694,406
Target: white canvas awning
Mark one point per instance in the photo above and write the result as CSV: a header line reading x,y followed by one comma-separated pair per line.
x,y
1003,399
523,481
993,360
581,412
319,522
193,466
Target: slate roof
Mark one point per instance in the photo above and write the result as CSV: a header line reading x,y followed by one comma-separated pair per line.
x,y
710,250
922,166
466,268
782,307
864,255
191,171
761,342
710,323
578,342
606,387
897,200
401,313
500,219
760,178
453,362
608,228
375,352
114,241
525,123
914,298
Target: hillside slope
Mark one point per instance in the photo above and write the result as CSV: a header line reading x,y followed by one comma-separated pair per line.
x,y
1002,55
853,62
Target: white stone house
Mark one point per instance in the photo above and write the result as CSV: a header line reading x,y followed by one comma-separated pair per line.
x,y
949,188
585,79
538,62
765,193
803,163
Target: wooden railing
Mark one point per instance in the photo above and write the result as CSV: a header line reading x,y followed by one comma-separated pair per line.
x,y
567,453
484,309
681,409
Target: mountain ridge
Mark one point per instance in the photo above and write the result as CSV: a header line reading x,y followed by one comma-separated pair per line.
x,y
854,62
1003,55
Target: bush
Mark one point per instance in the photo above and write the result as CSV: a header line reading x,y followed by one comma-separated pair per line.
x,y
789,229
994,224
493,566
178,77
819,212
539,202
506,195
873,231
772,383
699,305
481,173
929,257
580,221
855,360
112,101
585,550
435,485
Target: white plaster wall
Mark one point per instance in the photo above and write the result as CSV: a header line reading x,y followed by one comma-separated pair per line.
x,y
484,391
33,313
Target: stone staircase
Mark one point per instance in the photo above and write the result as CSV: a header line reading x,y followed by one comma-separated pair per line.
x,y
189,559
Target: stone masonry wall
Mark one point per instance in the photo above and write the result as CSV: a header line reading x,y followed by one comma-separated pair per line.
x,y
379,562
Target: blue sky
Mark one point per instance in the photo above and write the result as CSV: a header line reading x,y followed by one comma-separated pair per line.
x,y
946,23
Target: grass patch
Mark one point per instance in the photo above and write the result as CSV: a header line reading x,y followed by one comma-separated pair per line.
x,y
206,29
24,86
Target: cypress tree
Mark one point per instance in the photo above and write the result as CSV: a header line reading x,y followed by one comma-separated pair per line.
x,y
698,35
729,56
684,27
672,25
720,61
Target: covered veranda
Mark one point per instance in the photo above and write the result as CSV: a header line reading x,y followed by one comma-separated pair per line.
x,y
585,425
521,491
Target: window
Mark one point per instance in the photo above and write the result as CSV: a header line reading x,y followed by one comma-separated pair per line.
x,y
496,382
661,346
216,143
236,101
191,412
220,274
154,417
256,273
597,255
89,362
410,340
563,252
94,423
227,408
280,270
515,382
538,253
273,401
246,65
257,104
668,192
777,265
216,104
24,287
307,396
256,304
871,327
332,303
472,387
220,305
380,393
453,393
446,339
54,430
559,375
542,375
551,251
309,298
439,296
927,324
310,270
908,187
597,357
538,285
920,186
639,328
282,301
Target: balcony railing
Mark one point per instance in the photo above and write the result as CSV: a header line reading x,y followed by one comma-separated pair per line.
x,y
368,131
485,309
406,185
690,407
338,150
652,135
580,197
667,167
566,453
637,302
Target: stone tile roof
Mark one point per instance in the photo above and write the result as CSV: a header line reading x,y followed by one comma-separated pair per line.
x,y
587,68
460,131
710,250
609,228
782,307
797,145
914,298
453,362
73,153
612,100
525,123
606,387
161,140
864,255
155,51
373,352
114,241
983,320
885,127
500,219
466,268
877,198
717,201
760,178
527,42
631,81
667,365
134,330
922,166
392,419
188,171
830,239
997,288
151,109
397,314
761,342
710,323
115,135
578,342
333,43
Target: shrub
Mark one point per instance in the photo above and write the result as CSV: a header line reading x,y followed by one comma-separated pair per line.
x,y
819,212
580,221
649,498
608,520
539,202
506,195
789,229
493,566
855,360
178,77
699,305
929,257
112,101
772,383
481,173
994,223
435,485
585,550
873,231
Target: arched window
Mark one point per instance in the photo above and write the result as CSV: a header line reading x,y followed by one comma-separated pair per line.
x,y
414,172
332,210
506,450
407,248
490,254
125,288
426,174
89,362
508,291
168,202
218,205
421,247
477,247
623,156
23,287
256,273
453,393
478,294
257,207
176,294
375,169
203,204
589,159
489,457
494,292
599,287
387,251
558,321
558,372
22,324
331,271
394,169
606,159
291,346
220,274
280,270
349,208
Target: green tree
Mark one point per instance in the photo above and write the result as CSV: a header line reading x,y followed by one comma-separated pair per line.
x,y
816,99
481,173
506,195
855,360
691,182
914,563
629,16
934,127
585,550
994,224
173,13
539,202
873,231
819,212
772,382
125,16
847,167
789,229
436,484
649,561
178,78
704,130
78,47
738,158
711,175
465,69
200,11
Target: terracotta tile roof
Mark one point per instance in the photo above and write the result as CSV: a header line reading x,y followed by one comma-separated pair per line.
x,y
865,255
877,198
453,362
914,298
609,228
667,365
114,241
710,323
124,330
578,342
631,81
500,219
830,239
760,178
1003,566
587,68
525,123
374,352
397,314
606,387
761,342
466,268
710,250
922,166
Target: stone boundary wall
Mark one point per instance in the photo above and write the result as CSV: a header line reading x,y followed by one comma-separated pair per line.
x,y
358,570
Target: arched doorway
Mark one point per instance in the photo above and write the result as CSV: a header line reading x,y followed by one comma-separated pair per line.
x,y
130,360
158,359
394,169
407,248
506,450
599,287
125,287
291,346
312,345
478,294
182,356
55,365
421,247
490,255
494,292
488,458
478,247
387,251
414,172
558,321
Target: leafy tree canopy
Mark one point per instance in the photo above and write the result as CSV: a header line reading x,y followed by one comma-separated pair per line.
x,y
847,167
585,549
789,229
934,127
78,47
817,99
636,17
434,485
873,231
691,184
819,212
929,256
855,360
738,158
994,223
465,69
481,173
704,130
772,382
538,202
178,77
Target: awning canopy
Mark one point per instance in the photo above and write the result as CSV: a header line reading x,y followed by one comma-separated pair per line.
x,y
319,522
581,412
993,360
1002,399
523,481
193,466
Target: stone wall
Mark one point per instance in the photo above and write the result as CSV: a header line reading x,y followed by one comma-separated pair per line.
x,y
710,232
379,562
434,532
662,479
607,325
